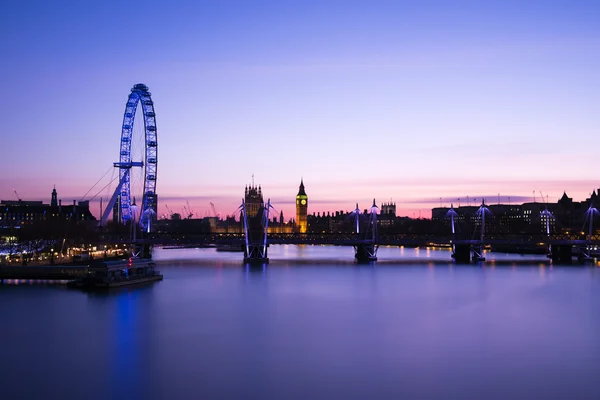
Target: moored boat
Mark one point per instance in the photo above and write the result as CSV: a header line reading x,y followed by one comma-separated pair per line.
x,y
109,274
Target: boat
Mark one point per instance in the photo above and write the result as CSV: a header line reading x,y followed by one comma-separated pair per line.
x,y
110,274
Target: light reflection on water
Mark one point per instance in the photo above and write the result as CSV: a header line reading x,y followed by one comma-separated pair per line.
x,y
311,324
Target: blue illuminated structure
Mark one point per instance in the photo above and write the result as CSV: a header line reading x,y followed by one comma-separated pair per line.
x,y
139,95
481,213
586,253
366,249
452,215
255,250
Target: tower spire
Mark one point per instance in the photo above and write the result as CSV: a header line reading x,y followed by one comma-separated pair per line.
x,y
302,208
54,201
301,191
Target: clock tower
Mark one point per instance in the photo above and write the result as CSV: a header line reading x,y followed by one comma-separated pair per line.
x,y
301,209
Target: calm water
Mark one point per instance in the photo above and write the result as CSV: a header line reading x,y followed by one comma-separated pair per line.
x,y
312,325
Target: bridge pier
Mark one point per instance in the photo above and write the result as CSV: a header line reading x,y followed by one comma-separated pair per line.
x,y
256,228
146,251
478,253
562,253
255,254
461,253
465,253
366,248
365,252
585,253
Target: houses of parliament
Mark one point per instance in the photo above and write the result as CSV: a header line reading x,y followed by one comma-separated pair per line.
x,y
254,202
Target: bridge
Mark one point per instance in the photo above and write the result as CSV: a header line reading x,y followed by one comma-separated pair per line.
x,y
350,239
255,240
557,241
559,247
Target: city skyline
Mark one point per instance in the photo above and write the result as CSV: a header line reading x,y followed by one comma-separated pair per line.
x,y
392,100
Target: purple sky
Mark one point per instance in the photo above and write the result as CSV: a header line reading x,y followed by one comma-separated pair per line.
x,y
410,101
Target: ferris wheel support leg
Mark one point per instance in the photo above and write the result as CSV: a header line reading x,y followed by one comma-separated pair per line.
x,y
113,199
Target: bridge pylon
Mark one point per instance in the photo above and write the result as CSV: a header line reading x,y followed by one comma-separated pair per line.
x,y
366,248
478,248
585,252
457,254
546,217
256,228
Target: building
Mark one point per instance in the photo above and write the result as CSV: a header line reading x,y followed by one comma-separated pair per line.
x,y
531,217
278,225
301,209
388,209
387,218
16,214
254,200
54,200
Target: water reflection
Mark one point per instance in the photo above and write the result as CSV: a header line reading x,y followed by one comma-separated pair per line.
x,y
255,269
312,324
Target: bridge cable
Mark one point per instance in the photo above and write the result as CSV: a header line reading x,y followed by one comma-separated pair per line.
x,y
98,181
104,188
109,189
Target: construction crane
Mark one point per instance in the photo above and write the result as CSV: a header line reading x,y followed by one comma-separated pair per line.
x,y
189,209
187,212
16,194
169,211
213,209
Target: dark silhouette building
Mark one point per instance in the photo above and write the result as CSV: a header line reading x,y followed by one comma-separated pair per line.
x,y
19,214
531,217
54,200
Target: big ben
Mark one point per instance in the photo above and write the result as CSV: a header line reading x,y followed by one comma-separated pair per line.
x,y
301,209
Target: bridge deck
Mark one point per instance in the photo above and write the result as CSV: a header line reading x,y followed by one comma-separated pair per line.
x,y
411,240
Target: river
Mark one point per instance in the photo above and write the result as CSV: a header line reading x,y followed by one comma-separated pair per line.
x,y
310,325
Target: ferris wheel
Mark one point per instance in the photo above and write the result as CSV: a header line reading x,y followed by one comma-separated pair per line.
x,y
137,163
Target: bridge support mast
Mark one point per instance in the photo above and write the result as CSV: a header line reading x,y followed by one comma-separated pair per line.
x,y
547,215
366,251
585,253
478,248
459,257
255,232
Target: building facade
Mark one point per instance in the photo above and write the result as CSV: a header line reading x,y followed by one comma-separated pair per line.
x,y
17,214
531,217
254,200
388,208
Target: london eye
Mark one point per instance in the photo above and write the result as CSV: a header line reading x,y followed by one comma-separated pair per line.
x,y
135,194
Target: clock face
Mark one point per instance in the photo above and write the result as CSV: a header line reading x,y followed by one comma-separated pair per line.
x,y
303,202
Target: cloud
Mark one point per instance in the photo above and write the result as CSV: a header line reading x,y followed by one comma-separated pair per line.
x,y
489,199
311,201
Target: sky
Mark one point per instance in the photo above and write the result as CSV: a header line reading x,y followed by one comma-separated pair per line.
x,y
423,103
